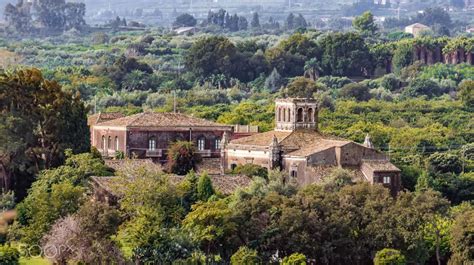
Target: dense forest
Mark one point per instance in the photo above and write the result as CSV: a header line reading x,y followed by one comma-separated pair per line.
x,y
413,96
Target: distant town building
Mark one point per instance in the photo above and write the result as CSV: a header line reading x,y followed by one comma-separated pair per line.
x,y
416,29
296,146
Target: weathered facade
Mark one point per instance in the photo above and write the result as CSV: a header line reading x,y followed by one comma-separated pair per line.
x,y
297,147
148,135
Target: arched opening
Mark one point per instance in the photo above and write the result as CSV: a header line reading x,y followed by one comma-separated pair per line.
x,y
289,115
299,116
103,142
233,166
279,114
310,115
284,114
109,142
152,144
116,143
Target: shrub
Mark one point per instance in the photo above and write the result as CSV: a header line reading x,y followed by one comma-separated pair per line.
x,y
334,82
204,188
182,157
294,259
444,163
388,256
422,87
357,91
9,255
390,82
245,256
251,170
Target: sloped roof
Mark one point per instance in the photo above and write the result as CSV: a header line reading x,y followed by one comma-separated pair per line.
x,y
318,146
155,119
417,25
261,139
303,140
103,117
380,165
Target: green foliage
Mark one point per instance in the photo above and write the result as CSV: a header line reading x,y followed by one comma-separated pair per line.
x,y
204,188
390,82
259,113
9,255
365,24
444,163
388,256
294,259
212,55
245,256
422,87
57,193
344,54
211,226
403,56
38,121
182,157
302,87
185,20
466,92
441,71
357,91
337,179
334,82
251,170
462,233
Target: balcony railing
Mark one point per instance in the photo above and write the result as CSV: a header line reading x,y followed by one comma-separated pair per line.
x,y
205,153
154,153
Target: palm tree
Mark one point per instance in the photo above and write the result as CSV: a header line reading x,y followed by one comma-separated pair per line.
x,y
312,69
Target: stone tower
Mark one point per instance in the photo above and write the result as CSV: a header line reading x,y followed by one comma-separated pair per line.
x,y
296,113
274,153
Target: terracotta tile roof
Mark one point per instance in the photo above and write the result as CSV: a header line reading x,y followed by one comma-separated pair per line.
x,y
103,117
261,139
305,140
317,146
380,165
155,119
131,164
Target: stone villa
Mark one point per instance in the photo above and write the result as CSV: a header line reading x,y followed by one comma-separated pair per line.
x,y
295,145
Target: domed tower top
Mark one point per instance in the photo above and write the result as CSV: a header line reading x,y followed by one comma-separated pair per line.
x,y
296,113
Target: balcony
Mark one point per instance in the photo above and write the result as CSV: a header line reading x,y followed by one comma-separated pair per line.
x,y
154,153
205,153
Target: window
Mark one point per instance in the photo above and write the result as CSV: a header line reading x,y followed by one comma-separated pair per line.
x,y
294,173
386,180
152,144
217,143
310,115
300,115
279,114
116,143
288,118
284,114
201,143
103,143
109,142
